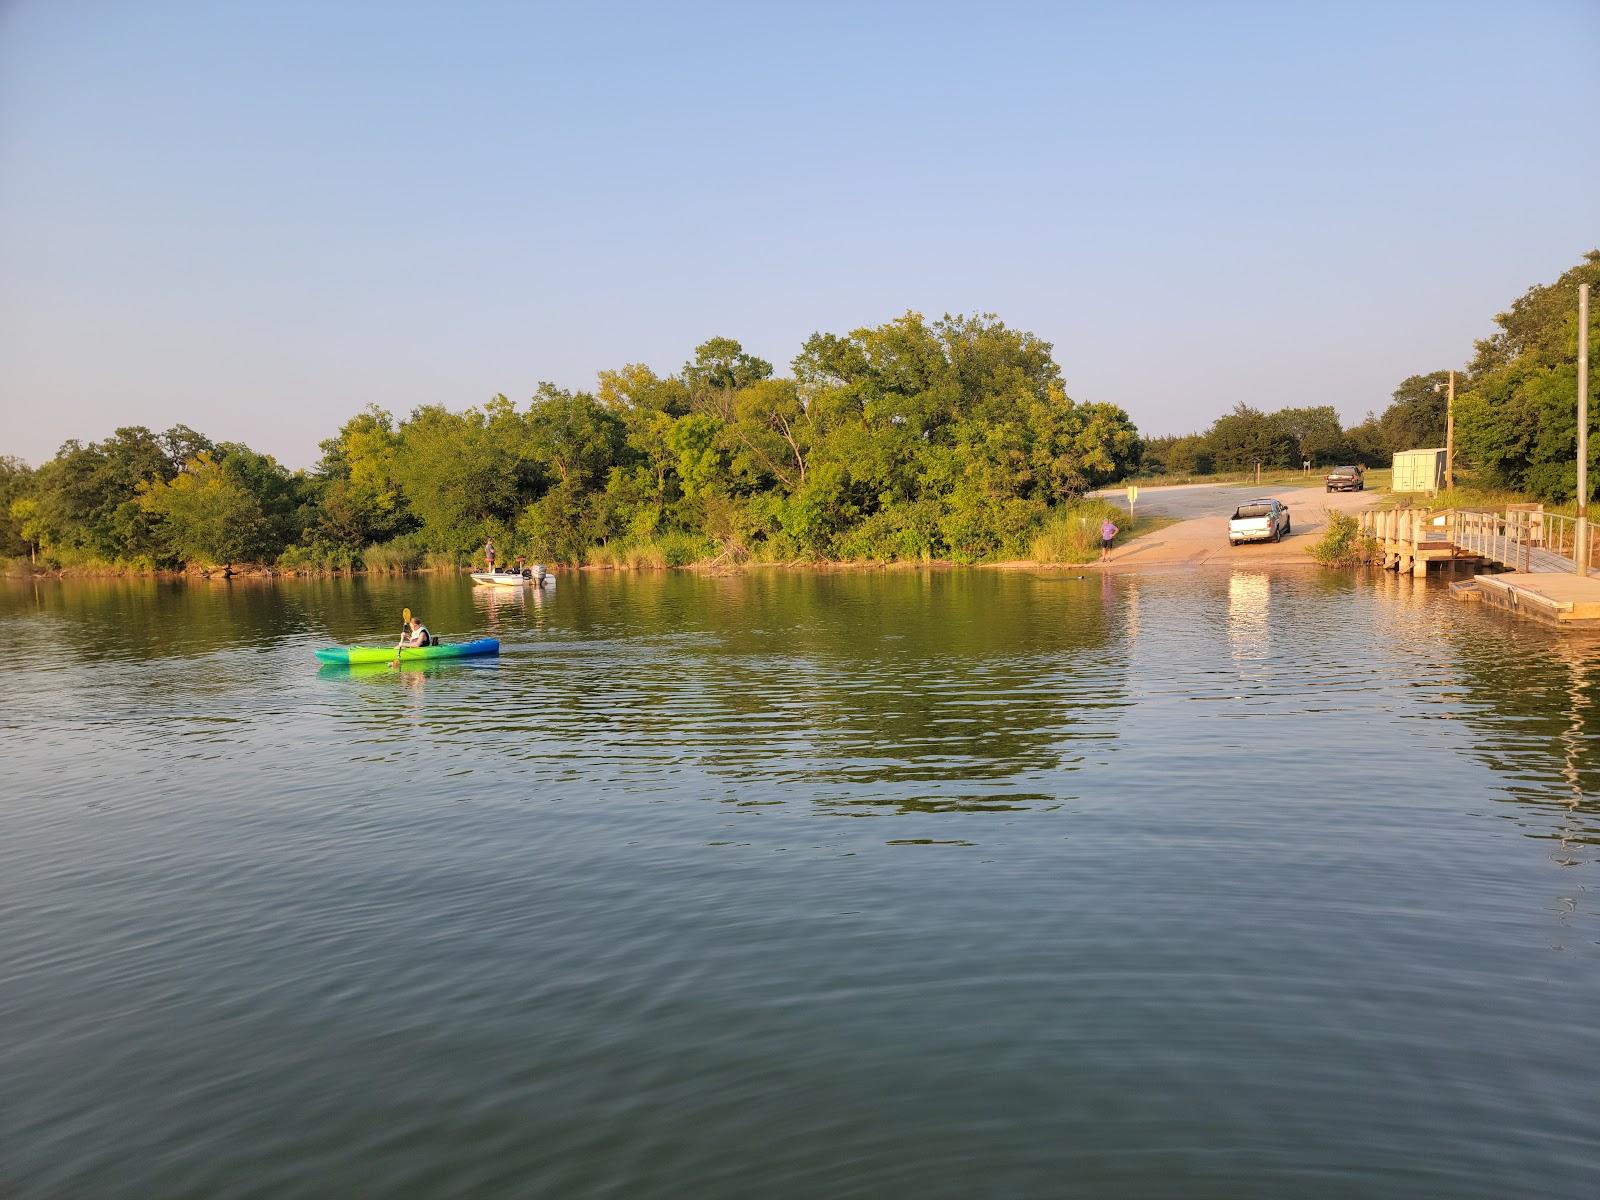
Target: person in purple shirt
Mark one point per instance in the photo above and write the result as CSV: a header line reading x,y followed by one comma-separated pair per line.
x,y
1108,534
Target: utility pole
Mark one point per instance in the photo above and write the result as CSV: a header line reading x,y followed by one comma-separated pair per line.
x,y
1450,434
1582,555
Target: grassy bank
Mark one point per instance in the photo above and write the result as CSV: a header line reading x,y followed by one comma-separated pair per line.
x,y
1468,493
1072,535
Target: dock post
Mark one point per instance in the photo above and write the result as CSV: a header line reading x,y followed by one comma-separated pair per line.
x,y
1580,556
1419,565
1450,434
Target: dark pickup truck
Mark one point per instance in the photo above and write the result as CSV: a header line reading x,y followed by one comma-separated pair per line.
x,y
1345,479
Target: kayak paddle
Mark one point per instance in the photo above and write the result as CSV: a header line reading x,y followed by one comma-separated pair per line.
x,y
405,628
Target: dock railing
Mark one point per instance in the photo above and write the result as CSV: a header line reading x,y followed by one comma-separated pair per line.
x,y
1523,538
1560,536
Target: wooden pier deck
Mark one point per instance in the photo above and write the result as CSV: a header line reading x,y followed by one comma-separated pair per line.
x,y
1561,599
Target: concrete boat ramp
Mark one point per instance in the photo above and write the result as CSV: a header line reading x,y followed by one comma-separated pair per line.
x,y
1522,559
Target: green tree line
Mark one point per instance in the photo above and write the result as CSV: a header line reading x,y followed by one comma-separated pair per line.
x,y
1516,410
914,439
1245,436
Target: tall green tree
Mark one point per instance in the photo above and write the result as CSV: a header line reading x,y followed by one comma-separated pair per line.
x,y
357,491
1185,454
16,485
282,495
1318,437
1247,436
770,435
1369,443
573,436
205,515
465,474
88,495
1516,418
1415,418
720,368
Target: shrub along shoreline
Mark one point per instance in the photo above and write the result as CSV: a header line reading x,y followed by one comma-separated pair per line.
x,y
1070,536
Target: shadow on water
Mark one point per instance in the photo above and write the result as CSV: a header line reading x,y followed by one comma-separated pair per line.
x,y
931,691
1533,706
856,691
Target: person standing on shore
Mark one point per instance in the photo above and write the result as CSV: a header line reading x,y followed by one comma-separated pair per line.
x,y
1108,534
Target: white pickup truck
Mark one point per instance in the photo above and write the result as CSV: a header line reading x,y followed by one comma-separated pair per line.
x,y
1259,521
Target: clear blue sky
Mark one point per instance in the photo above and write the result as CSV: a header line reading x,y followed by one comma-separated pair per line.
x,y
256,219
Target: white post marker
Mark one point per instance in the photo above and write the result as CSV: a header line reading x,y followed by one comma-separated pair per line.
x,y
1133,495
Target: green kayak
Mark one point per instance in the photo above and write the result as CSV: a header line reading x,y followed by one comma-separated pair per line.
x,y
354,655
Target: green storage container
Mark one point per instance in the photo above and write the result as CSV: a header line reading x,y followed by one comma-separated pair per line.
x,y
1418,471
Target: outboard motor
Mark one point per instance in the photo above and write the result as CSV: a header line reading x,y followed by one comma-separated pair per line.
x,y
537,573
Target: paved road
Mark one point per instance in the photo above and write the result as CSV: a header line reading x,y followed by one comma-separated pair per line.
x,y
1199,499
1201,536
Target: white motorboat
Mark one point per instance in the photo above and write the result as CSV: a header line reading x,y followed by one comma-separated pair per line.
x,y
534,576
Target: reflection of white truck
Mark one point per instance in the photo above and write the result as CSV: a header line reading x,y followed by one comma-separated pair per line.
x,y
1259,521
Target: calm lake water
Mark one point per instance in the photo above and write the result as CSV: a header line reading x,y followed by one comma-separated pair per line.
x,y
947,884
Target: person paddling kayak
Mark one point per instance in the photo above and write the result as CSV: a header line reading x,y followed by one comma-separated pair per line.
x,y
416,634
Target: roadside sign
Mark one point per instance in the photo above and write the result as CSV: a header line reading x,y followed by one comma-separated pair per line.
x,y
1133,495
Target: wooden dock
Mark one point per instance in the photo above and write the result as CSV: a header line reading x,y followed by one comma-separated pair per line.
x,y
1411,540
1523,560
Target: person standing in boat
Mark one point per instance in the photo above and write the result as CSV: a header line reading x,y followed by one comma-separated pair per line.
x,y
488,554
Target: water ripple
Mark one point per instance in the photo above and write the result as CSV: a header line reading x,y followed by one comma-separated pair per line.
x,y
949,883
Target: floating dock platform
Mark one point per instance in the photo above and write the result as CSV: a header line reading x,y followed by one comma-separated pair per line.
x,y
1561,599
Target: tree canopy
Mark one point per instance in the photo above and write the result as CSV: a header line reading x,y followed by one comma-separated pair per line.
x,y
913,439
950,438
1516,416
205,513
